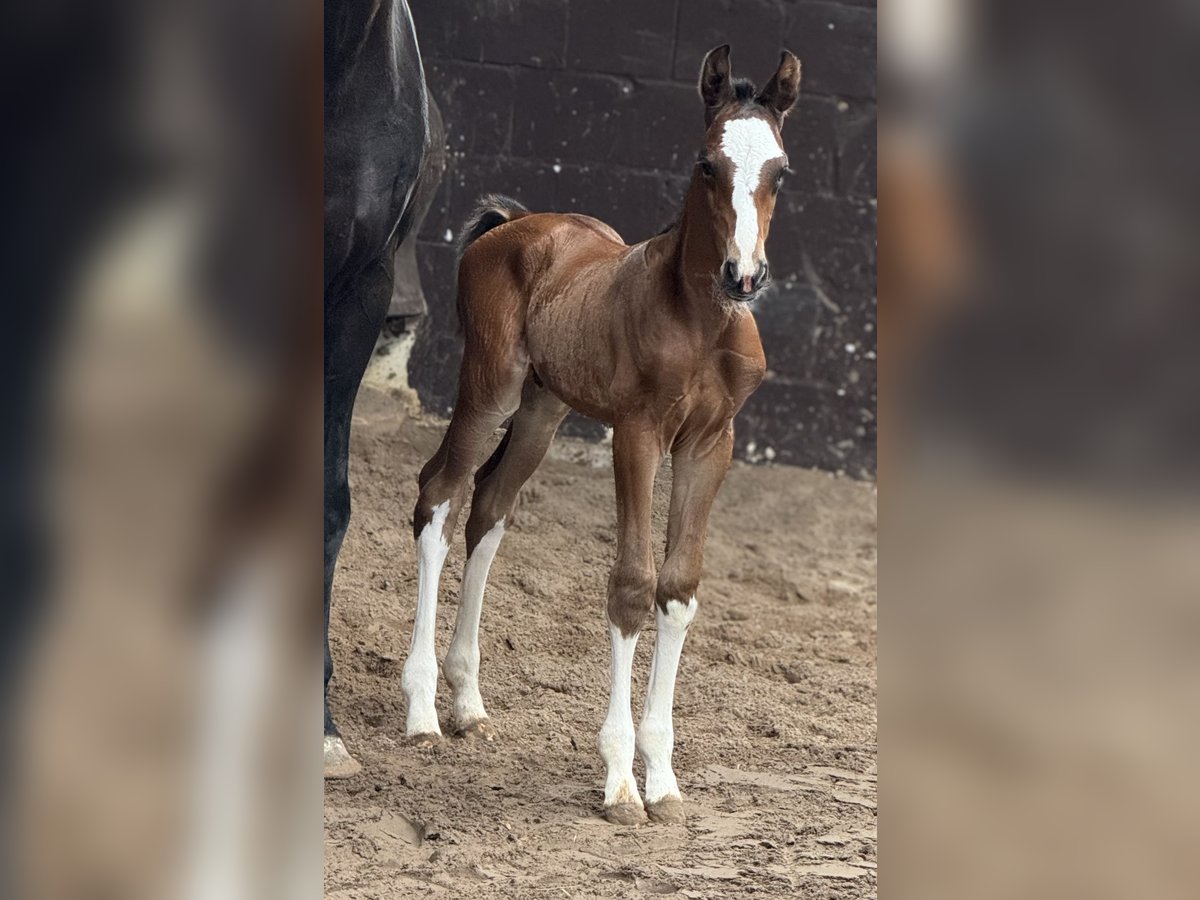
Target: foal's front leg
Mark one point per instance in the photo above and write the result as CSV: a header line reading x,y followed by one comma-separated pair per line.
x,y
636,455
697,475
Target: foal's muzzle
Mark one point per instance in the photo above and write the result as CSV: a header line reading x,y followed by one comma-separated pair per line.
x,y
744,288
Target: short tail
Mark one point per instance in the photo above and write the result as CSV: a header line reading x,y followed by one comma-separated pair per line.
x,y
493,211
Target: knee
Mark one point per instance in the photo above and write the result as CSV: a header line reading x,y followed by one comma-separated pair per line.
x,y
630,597
678,580
439,501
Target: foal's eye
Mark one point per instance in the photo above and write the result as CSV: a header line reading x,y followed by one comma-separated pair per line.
x,y
706,168
779,178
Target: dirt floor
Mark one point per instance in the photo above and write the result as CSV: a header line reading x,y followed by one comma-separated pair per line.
x,y
774,712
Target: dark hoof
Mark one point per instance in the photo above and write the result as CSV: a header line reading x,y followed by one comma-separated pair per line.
x,y
425,740
338,761
625,813
479,730
667,811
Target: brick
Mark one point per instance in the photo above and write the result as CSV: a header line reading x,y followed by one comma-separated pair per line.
x,y
857,159
810,139
806,423
631,37
437,351
819,224
841,351
752,28
528,33
827,243
627,200
787,318
836,46
468,178
587,118
477,103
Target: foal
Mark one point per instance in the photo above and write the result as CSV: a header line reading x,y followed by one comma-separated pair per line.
x,y
654,339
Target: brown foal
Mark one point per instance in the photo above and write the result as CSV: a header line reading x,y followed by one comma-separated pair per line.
x,y
656,340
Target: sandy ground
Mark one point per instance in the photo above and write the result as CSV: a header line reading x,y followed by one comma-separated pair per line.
x,y
774,713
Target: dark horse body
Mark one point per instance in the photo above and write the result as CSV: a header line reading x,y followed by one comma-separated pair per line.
x,y
377,136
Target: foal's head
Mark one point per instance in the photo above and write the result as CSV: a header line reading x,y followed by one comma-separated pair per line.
x,y
742,164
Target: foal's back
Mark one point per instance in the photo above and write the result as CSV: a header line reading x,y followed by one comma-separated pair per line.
x,y
535,256
552,292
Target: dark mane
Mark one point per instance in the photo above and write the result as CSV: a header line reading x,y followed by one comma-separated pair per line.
x,y
744,90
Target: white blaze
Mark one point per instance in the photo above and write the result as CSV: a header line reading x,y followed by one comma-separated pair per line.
x,y
749,144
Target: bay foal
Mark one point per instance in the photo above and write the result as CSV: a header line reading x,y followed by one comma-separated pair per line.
x,y
654,339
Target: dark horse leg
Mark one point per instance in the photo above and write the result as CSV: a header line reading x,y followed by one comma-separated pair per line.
x,y
376,138
351,329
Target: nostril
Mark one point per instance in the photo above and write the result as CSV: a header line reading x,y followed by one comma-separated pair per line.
x,y
729,271
761,275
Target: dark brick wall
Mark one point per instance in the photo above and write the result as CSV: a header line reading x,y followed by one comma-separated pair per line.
x,y
590,106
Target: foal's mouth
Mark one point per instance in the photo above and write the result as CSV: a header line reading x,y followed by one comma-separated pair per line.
x,y
739,295
731,296
745,288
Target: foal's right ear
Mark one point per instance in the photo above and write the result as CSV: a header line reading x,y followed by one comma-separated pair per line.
x,y
716,86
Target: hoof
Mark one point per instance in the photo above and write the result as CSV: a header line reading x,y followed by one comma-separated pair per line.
x,y
479,730
338,761
667,811
424,740
625,814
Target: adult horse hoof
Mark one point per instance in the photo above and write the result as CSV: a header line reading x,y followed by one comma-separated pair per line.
x,y
479,730
425,740
625,814
667,811
338,761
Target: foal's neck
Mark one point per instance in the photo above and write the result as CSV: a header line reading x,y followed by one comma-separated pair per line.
x,y
691,252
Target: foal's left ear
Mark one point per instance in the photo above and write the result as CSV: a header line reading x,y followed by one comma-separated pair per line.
x,y
781,91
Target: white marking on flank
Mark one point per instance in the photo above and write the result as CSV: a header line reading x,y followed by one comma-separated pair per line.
x,y
419,680
462,659
656,734
749,144
616,736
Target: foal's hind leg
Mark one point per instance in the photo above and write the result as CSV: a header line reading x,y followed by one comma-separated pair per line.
x,y
489,392
496,486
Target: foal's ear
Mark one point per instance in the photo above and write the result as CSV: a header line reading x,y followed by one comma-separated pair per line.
x,y
781,91
716,87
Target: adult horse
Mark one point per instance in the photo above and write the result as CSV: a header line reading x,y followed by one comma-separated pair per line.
x,y
377,136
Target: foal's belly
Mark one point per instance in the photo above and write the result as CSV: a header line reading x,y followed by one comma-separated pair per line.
x,y
570,366
570,343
